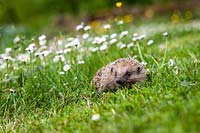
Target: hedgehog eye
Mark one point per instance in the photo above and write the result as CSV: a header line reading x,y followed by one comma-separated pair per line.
x,y
138,69
115,73
128,74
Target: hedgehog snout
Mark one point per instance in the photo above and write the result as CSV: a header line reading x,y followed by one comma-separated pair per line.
x,y
120,80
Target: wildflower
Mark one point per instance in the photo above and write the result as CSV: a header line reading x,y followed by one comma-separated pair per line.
x,y
113,111
95,117
123,33
66,67
43,42
165,34
118,4
99,40
74,42
31,48
79,27
59,52
45,53
122,46
143,63
12,90
93,49
8,58
87,28
41,48
130,45
70,39
24,58
85,36
2,65
106,26
114,35
137,38
42,37
103,47
81,62
8,50
59,58
60,42
67,50
142,36
114,40
150,42
120,22
16,39
176,70
171,62
61,73
135,34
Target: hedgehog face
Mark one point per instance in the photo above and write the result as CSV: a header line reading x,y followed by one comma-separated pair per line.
x,y
128,74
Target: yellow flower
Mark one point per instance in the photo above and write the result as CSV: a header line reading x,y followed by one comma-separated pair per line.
x,y
118,4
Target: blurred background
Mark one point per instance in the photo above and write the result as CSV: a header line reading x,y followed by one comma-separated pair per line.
x,y
63,15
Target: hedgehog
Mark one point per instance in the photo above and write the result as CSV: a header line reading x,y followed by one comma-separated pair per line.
x,y
123,72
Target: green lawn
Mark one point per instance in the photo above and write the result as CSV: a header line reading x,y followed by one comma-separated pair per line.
x,y
37,95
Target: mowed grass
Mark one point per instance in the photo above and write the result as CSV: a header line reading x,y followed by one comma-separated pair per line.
x,y
37,98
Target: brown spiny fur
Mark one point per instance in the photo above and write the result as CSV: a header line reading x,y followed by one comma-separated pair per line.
x,y
121,73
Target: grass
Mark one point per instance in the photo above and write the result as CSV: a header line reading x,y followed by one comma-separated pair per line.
x,y
36,98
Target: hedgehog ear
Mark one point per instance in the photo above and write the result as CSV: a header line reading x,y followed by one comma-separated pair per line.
x,y
112,69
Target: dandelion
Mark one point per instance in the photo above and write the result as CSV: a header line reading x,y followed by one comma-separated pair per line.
x,y
106,26
150,42
118,4
165,34
66,67
95,117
